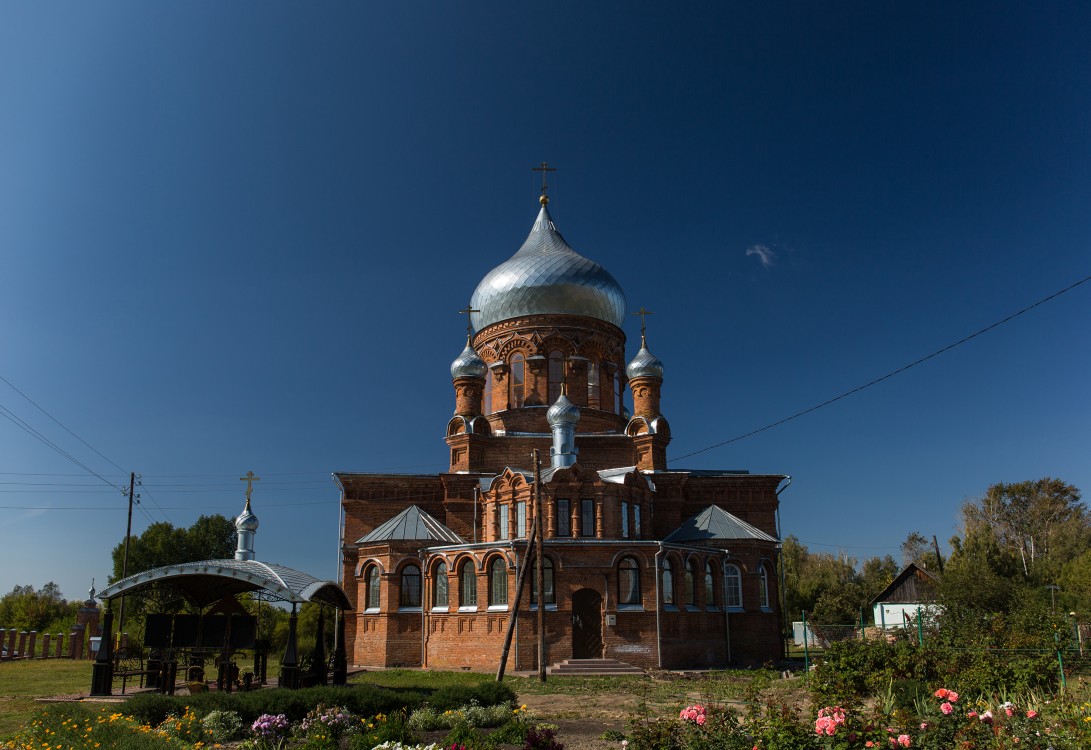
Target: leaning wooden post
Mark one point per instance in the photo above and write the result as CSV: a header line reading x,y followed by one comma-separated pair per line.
x,y
515,607
539,575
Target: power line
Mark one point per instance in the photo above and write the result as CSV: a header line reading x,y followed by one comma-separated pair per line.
x,y
889,375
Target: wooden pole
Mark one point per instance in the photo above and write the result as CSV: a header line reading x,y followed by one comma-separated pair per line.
x,y
515,607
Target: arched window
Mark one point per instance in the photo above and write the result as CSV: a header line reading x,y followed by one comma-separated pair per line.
x,y
628,583
763,587
410,593
593,372
490,383
439,586
710,588
691,584
733,586
371,585
556,375
498,583
467,585
516,381
668,582
547,583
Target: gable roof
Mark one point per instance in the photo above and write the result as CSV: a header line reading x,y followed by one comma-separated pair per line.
x,y
411,523
913,585
716,523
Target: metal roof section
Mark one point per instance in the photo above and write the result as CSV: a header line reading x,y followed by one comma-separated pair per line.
x,y
716,523
411,524
207,581
617,476
546,276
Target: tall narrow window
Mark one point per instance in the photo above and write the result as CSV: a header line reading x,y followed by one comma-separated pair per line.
x,y
520,520
710,589
498,583
467,584
439,587
619,401
490,383
691,585
624,519
547,583
668,582
410,593
628,583
371,584
636,520
587,517
563,518
517,380
503,532
556,375
763,587
733,586
593,385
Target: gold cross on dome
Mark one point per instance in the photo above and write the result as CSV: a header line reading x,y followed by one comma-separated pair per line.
x,y
249,479
469,321
544,168
643,322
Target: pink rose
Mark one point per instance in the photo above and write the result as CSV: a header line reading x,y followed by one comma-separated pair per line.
x,y
701,720
942,693
947,708
903,740
1031,713
952,696
971,714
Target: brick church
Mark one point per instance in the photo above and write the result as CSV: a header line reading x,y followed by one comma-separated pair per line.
x,y
654,566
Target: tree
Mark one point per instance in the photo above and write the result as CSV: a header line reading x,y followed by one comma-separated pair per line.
x,y
209,538
1042,524
23,608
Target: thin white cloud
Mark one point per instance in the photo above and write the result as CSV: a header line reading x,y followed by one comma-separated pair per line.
x,y
765,254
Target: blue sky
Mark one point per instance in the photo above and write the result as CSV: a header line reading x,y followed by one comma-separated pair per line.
x,y
235,236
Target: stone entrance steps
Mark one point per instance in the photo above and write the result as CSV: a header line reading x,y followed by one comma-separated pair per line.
x,y
588,667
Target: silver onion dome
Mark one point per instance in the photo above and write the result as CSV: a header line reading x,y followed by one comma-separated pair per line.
x,y
468,364
563,412
546,276
644,364
246,521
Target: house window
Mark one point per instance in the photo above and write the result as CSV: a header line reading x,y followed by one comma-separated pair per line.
x,y
503,532
439,587
547,583
410,593
624,519
563,518
520,520
733,586
763,587
498,583
371,584
467,584
636,521
668,583
587,517
517,381
628,583
710,589
691,584
556,375
593,385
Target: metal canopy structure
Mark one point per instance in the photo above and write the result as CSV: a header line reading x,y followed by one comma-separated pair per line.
x,y
208,581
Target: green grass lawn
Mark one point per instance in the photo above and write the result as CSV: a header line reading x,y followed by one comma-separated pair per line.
x,y
21,682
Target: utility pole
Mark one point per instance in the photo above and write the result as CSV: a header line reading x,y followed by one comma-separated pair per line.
x,y
125,559
539,575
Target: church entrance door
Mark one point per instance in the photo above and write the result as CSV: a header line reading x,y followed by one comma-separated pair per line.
x,y
587,624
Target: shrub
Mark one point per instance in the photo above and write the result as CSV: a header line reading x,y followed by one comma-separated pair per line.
x,y
222,726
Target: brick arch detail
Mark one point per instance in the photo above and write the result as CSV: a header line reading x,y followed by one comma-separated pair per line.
x,y
640,557
365,563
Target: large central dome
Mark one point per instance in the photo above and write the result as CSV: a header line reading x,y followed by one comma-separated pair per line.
x,y
547,277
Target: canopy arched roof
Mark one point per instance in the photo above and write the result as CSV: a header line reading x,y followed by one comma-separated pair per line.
x,y
207,581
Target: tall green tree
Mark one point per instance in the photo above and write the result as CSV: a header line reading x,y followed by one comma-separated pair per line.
x,y
209,538
23,608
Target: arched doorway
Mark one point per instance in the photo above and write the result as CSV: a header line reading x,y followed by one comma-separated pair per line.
x,y
587,624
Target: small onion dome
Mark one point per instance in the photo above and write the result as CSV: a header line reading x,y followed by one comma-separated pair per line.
x,y
468,364
246,521
644,364
563,412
